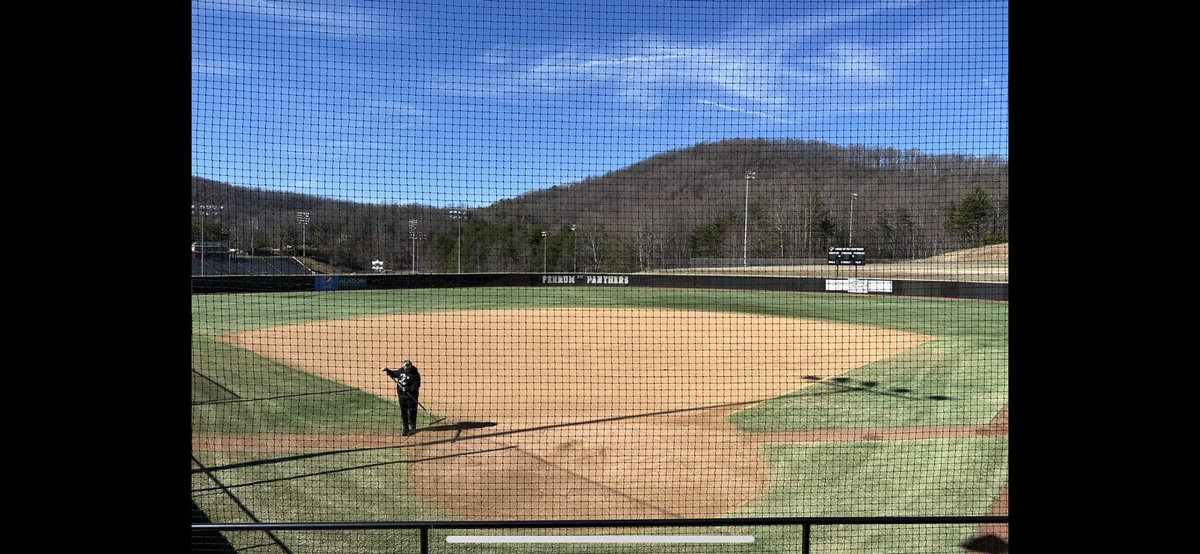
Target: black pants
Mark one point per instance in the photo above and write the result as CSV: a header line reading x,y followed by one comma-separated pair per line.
x,y
408,408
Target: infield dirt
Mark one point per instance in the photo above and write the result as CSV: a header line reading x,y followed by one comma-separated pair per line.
x,y
597,413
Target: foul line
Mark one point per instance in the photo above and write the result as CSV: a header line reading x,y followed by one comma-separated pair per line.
x,y
238,501
235,395
344,469
240,399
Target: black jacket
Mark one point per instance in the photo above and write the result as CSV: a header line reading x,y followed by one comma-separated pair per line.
x,y
406,381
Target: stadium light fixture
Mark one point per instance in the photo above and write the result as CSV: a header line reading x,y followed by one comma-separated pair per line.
x,y
205,211
253,233
746,217
302,218
458,216
412,234
853,196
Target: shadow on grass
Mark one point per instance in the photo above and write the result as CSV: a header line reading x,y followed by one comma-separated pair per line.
x,y
207,541
840,385
458,428
987,543
239,399
344,469
220,486
217,384
848,384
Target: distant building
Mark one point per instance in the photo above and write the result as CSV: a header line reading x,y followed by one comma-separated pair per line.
x,y
210,247
377,266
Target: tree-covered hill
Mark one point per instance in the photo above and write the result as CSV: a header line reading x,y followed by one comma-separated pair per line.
x,y
662,212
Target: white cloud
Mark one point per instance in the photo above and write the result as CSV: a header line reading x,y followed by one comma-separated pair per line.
x,y
733,109
649,68
643,97
884,104
496,56
396,107
217,67
749,65
777,71
635,60
854,62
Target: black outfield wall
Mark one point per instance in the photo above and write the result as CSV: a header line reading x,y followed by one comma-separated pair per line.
x,y
873,287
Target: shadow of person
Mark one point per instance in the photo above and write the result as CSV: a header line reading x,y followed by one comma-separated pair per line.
x,y
460,426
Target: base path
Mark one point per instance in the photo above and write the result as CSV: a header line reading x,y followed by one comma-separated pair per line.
x,y
614,413
1000,504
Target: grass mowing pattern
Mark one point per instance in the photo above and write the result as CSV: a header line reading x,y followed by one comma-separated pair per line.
x,y
275,398
336,486
926,477
959,378
947,381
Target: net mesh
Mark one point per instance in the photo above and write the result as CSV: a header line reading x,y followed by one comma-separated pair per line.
x,y
649,260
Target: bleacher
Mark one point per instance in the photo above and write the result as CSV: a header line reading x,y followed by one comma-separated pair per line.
x,y
248,265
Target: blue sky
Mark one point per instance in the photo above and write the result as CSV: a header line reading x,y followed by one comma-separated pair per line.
x,y
464,103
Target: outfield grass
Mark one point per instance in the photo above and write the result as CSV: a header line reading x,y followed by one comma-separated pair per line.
x,y
933,477
960,377
950,380
220,313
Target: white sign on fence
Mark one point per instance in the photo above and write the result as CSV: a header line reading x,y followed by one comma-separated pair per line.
x,y
860,286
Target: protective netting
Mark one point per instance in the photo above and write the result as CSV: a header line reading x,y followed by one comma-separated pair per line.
x,y
648,259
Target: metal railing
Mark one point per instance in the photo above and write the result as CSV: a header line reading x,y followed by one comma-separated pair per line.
x,y
425,526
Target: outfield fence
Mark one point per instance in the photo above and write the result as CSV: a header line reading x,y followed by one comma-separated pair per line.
x,y
847,284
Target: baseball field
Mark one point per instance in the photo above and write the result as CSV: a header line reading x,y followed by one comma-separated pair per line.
x,y
593,402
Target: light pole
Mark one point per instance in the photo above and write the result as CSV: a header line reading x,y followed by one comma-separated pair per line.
x,y
302,218
412,234
253,233
459,215
853,195
746,218
205,211
574,255
545,246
